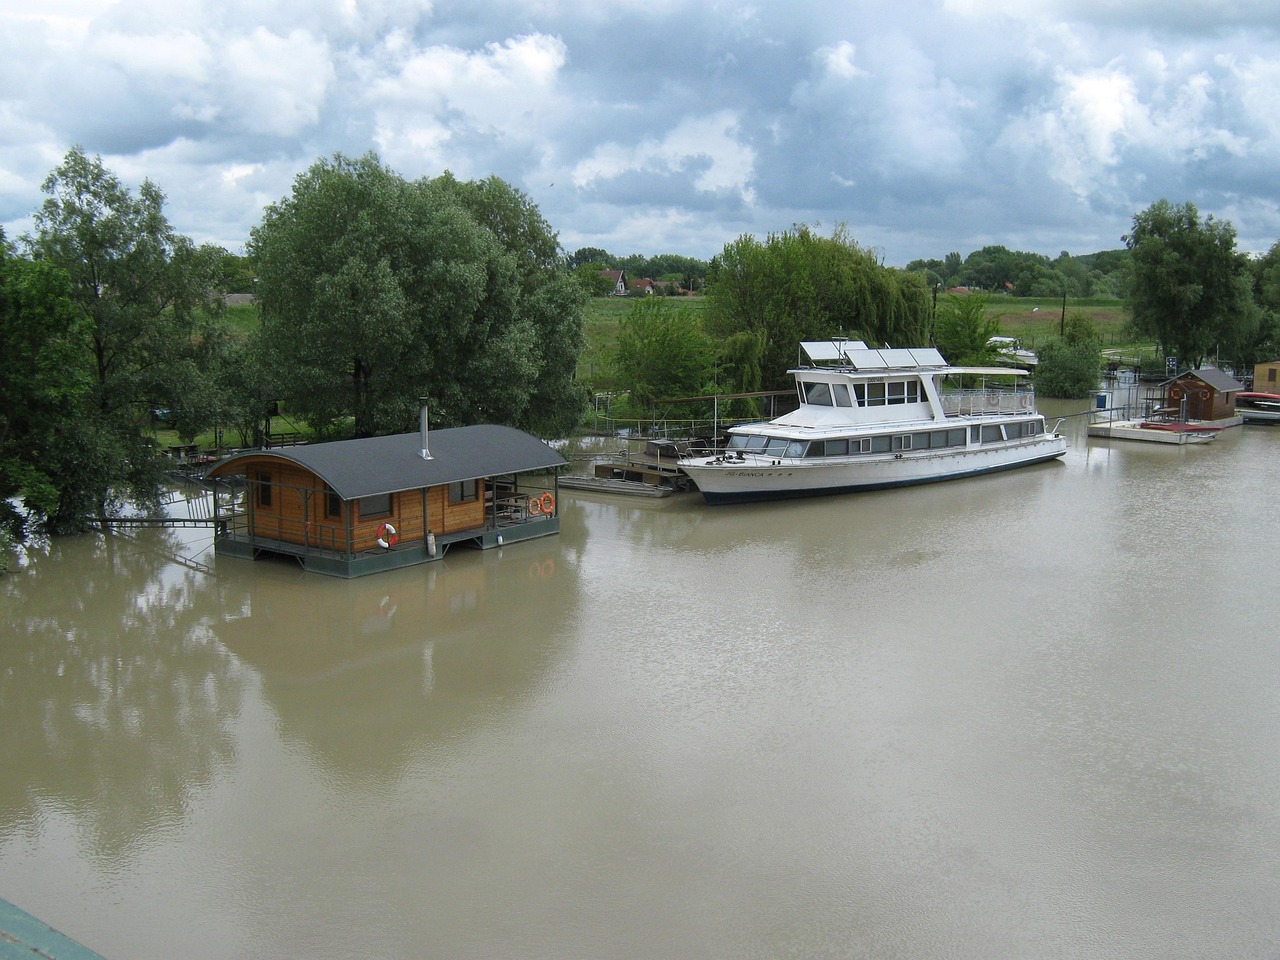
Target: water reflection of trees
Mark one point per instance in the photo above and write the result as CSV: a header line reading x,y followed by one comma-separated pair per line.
x,y
113,701
366,672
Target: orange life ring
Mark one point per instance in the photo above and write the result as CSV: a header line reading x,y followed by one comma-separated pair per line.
x,y
1175,393
387,536
548,503
535,506
1204,394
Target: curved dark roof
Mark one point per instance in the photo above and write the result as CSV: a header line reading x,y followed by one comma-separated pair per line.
x,y
364,468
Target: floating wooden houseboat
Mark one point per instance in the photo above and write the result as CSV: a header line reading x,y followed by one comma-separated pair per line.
x,y
354,507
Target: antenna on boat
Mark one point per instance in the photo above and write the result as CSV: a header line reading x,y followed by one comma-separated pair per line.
x,y
422,428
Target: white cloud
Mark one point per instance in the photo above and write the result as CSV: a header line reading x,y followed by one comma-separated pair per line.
x,y
276,84
837,61
506,90
709,143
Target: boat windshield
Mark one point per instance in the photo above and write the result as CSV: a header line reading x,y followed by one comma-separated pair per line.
x,y
768,446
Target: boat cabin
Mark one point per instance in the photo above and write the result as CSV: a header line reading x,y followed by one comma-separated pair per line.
x,y
353,507
1207,394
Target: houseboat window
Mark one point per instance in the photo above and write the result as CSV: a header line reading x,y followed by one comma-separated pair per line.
x,y
376,506
332,503
464,491
797,448
875,394
862,445
991,433
902,442
975,434
1271,375
841,393
860,394
955,438
834,448
880,444
755,442
264,489
818,394
776,447
897,390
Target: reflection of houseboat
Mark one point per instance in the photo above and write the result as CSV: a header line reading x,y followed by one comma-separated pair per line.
x,y
1255,407
353,507
870,419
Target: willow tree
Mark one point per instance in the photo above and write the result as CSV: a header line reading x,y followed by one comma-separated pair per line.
x,y
376,291
800,286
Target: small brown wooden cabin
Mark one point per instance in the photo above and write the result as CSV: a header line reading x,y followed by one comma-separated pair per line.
x,y
353,507
1266,376
1204,394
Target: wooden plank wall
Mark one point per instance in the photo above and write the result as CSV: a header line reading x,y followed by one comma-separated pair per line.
x,y
297,514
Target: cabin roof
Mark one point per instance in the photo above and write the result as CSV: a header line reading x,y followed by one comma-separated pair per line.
x,y
1220,381
376,465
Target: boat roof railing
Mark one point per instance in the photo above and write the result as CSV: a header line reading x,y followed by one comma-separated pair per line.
x,y
860,357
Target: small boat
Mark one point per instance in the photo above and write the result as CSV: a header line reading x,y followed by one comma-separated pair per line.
x,y
870,419
632,488
1257,407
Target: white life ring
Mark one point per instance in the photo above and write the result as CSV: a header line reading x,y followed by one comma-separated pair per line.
x,y
387,536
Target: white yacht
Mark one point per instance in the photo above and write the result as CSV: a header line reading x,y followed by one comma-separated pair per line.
x,y
870,419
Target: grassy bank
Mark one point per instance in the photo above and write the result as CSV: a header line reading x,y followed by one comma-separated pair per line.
x,y
1034,320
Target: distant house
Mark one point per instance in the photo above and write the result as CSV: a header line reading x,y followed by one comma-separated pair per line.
x,y
645,286
353,507
1205,394
1266,376
619,278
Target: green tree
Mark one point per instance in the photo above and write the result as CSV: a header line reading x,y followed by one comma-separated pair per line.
x,y
1067,369
593,280
145,299
963,329
1189,288
799,286
549,303
662,353
376,291
43,382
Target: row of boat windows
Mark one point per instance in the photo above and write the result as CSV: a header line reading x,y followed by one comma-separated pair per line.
x,y
822,394
886,442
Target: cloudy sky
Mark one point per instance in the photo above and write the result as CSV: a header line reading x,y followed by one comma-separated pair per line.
x,y
672,126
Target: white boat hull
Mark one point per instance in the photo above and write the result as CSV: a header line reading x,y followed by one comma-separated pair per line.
x,y
760,478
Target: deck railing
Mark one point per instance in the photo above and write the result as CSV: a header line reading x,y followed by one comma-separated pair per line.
x,y
977,402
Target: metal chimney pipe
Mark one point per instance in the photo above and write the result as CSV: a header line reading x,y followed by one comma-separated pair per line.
x,y
422,428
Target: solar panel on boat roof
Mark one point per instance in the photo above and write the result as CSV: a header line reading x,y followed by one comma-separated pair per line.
x,y
830,349
866,359
928,357
898,358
